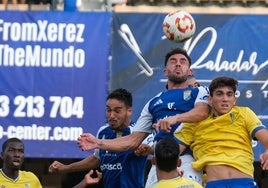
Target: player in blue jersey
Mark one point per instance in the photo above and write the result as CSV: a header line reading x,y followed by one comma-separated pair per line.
x,y
120,169
179,103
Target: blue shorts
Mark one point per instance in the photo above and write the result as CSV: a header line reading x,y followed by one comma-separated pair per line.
x,y
233,183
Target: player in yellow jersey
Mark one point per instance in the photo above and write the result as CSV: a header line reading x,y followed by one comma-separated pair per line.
x,y
10,175
166,158
221,144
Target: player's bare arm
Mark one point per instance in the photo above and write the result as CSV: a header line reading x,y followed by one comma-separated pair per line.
x,y
198,113
90,162
88,142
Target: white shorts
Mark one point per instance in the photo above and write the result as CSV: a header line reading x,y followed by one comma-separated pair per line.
x,y
186,166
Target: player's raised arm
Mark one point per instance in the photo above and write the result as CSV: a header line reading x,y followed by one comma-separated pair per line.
x,y
88,142
199,112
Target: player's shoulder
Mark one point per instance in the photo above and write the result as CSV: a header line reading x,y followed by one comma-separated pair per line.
x,y
103,130
241,109
132,124
30,177
157,95
27,174
105,126
189,182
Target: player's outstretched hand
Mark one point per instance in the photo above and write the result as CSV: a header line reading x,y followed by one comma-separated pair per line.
x,y
87,141
165,124
264,160
57,167
90,180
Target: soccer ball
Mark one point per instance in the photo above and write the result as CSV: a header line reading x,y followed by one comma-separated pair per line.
x,y
179,26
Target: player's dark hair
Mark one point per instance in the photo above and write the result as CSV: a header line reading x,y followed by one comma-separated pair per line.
x,y
178,51
222,81
167,154
121,95
10,140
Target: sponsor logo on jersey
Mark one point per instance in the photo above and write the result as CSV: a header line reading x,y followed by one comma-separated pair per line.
x,y
117,166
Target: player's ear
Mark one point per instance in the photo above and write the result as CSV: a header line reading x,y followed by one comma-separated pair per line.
x,y
210,100
179,162
129,111
153,160
190,72
235,101
165,72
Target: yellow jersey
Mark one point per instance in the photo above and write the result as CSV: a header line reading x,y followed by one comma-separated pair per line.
x,y
25,180
179,182
223,140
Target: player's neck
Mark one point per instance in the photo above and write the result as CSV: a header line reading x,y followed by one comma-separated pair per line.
x,y
128,122
162,175
11,174
177,86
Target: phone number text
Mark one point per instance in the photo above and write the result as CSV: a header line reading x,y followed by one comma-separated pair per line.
x,y
35,106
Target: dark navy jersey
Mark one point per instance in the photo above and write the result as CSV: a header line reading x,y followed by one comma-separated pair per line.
x,y
169,103
120,169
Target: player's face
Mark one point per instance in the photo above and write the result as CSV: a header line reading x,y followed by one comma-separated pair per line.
x,y
13,156
177,68
118,115
222,101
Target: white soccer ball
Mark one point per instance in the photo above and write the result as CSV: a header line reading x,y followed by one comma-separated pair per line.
x,y
179,26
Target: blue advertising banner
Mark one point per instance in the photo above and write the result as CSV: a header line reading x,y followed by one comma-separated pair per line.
x,y
231,45
53,72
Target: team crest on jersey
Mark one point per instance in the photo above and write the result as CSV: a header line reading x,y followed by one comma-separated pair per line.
x,y
232,117
187,95
119,134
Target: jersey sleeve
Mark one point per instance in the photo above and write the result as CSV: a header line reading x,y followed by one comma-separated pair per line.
x,y
144,122
202,95
253,123
149,140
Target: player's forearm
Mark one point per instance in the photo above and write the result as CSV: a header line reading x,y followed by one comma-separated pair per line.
x,y
125,143
86,164
194,115
116,145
